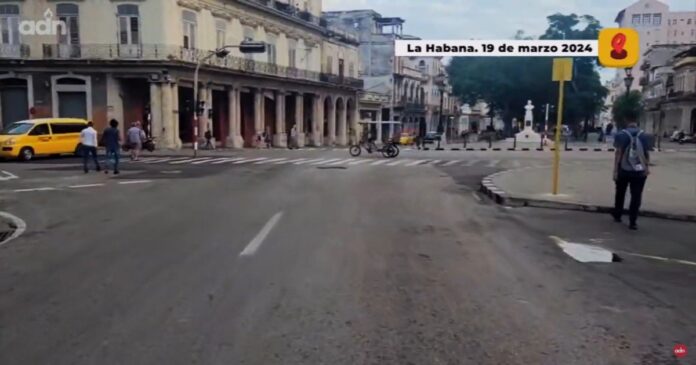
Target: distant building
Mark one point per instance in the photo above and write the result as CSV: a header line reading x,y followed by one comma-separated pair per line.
x,y
656,25
414,86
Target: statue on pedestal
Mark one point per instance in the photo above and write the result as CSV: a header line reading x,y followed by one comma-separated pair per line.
x,y
528,134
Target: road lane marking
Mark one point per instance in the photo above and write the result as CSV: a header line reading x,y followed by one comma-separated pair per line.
x,y
493,163
308,161
451,163
380,162
416,163
434,162
584,253
130,182
189,160
340,162
227,160
7,176
245,160
395,163
325,162
19,226
358,162
516,163
659,258
206,161
289,161
269,161
33,189
255,243
470,163
84,186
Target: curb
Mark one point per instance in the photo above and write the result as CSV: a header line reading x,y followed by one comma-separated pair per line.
x,y
501,197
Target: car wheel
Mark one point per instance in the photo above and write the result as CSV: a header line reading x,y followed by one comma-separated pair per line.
x,y
26,154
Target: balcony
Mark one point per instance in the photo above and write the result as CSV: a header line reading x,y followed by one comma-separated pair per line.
x,y
342,80
286,9
18,51
412,73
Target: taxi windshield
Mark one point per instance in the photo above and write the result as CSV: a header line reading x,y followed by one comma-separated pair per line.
x,y
15,129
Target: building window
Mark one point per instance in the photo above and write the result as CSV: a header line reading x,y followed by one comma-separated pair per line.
x,y
292,53
657,19
190,27
646,19
271,44
128,24
329,64
220,33
635,19
688,21
9,24
70,15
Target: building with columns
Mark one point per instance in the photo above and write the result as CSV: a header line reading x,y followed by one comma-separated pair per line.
x,y
135,61
412,86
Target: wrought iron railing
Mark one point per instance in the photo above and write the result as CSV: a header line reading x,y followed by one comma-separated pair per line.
x,y
18,51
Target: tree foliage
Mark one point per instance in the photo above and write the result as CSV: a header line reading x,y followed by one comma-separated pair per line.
x,y
627,107
506,83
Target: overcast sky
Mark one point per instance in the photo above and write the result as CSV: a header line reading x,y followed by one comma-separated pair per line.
x,y
487,19
491,19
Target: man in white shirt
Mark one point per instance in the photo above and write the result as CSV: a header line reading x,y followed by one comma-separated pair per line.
x,y
88,142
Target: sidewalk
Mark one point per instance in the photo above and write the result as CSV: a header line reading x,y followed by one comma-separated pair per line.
x,y
669,193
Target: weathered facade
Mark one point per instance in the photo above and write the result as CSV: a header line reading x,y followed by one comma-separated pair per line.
x,y
135,61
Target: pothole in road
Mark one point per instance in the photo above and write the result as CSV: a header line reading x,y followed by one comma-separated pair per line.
x,y
586,253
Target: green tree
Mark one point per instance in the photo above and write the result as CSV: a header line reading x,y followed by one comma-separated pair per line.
x,y
506,83
627,107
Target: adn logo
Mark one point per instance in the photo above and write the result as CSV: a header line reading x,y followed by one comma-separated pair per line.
x,y
48,26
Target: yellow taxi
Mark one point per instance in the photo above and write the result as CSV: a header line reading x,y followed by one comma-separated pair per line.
x,y
53,136
406,139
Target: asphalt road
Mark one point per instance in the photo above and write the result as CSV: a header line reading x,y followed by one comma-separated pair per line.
x,y
302,264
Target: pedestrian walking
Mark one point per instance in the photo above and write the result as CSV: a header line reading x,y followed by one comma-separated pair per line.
x,y
267,137
293,138
209,145
631,170
88,141
136,137
111,139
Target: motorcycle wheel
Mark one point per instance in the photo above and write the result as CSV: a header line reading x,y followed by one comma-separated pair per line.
x,y
354,150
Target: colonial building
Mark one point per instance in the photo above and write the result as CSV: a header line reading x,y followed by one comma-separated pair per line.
x,y
657,25
412,86
669,89
135,60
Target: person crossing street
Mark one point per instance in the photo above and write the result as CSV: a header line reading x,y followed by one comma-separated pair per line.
x,y
88,141
631,170
111,139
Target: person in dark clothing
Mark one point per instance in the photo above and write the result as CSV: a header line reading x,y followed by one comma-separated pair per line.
x,y
631,170
111,139
422,130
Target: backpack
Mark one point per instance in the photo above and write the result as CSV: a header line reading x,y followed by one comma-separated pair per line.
x,y
634,156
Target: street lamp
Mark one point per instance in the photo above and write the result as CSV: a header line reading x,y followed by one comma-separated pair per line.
x,y
628,80
222,52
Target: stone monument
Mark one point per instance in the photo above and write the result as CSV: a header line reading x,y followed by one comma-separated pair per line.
x,y
528,134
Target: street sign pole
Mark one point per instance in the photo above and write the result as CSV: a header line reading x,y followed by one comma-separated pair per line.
x,y
562,72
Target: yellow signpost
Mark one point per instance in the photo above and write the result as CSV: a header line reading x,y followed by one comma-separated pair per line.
x,y
562,72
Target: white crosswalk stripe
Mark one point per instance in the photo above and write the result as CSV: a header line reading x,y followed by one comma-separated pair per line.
x,y
226,160
269,161
289,161
493,163
189,160
167,159
416,163
434,162
451,163
325,162
249,160
379,162
308,161
470,163
205,161
397,162
341,162
358,162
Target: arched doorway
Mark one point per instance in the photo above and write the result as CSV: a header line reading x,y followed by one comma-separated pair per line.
x,y
72,96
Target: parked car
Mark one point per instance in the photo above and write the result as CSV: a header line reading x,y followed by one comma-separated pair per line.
x,y
406,139
431,137
53,136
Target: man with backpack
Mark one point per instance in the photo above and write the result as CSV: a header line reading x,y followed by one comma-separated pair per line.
x,y
631,170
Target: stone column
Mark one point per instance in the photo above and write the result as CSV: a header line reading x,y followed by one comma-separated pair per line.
x,y
280,138
299,119
167,125
331,123
203,119
259,112
234,139
173,133
156,110
317,120
342,138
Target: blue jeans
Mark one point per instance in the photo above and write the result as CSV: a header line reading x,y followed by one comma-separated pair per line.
x,y
86,151
116,155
